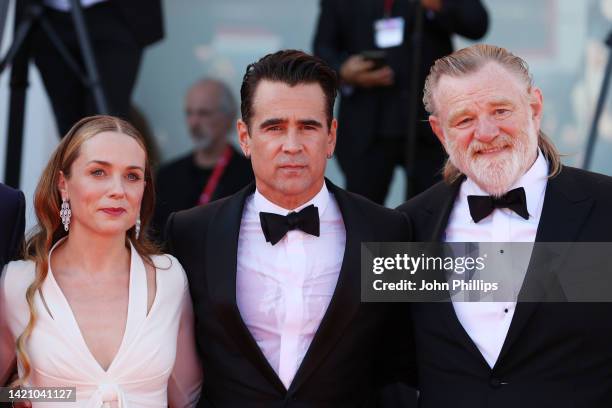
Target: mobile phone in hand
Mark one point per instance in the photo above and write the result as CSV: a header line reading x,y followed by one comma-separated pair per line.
x,y
379,57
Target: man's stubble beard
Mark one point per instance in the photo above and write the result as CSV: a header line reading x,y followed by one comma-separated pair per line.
x,y
496,176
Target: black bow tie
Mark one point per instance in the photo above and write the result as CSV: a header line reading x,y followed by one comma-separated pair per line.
x,y
482,206
275,226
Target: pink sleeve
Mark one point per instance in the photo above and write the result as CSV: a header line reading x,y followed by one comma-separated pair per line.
x,y
186,378
7,342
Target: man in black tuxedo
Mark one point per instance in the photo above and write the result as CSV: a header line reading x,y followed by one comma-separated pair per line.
x,y
376,92
12,220
119,31
274,270
487,113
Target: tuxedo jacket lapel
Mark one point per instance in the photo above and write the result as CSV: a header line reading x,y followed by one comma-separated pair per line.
x,y
346,298
440,210
221,267
221,264
565,210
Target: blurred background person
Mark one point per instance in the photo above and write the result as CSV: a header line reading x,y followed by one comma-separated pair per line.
x,y
89,254
218,38
370,43
214,169
119,30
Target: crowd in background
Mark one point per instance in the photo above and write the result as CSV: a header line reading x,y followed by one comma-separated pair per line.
x,y
377,131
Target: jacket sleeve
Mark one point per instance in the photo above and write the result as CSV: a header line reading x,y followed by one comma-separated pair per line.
x,y
19,230
328,42
468,18
169,244
185,382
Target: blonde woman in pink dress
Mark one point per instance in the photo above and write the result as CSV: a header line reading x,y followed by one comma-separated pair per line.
x,y
95,306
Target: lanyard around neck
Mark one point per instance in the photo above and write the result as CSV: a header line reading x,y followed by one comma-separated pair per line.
x,y
388,8
213,181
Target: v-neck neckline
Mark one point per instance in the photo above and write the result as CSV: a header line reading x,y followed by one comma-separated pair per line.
x,y
136,313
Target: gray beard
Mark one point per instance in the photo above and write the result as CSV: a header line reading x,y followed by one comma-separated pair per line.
x,y
202,144
497,177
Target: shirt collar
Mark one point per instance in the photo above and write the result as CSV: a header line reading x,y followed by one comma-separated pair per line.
x,y
533,181
262,204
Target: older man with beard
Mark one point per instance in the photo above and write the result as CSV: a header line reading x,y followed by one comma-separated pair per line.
x,y
504,183
214,168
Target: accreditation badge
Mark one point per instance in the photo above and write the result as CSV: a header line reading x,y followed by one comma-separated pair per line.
x,y
389,32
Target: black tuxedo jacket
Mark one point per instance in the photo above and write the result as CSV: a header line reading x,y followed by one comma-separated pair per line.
x,y
12,223
555,354
346,27
143,17
357,347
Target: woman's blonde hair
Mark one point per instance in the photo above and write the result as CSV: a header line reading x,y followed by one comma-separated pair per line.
x,y
468,61
47,202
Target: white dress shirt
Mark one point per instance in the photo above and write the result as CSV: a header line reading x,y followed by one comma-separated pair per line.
x,y
283,290
64,5
487,323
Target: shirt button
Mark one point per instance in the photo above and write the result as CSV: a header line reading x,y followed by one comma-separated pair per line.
x,y
495,382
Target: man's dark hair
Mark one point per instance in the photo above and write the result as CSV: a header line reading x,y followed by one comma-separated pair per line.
x,y
291,67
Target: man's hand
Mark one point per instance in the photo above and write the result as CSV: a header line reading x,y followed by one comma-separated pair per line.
x,y
358,71
433,5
